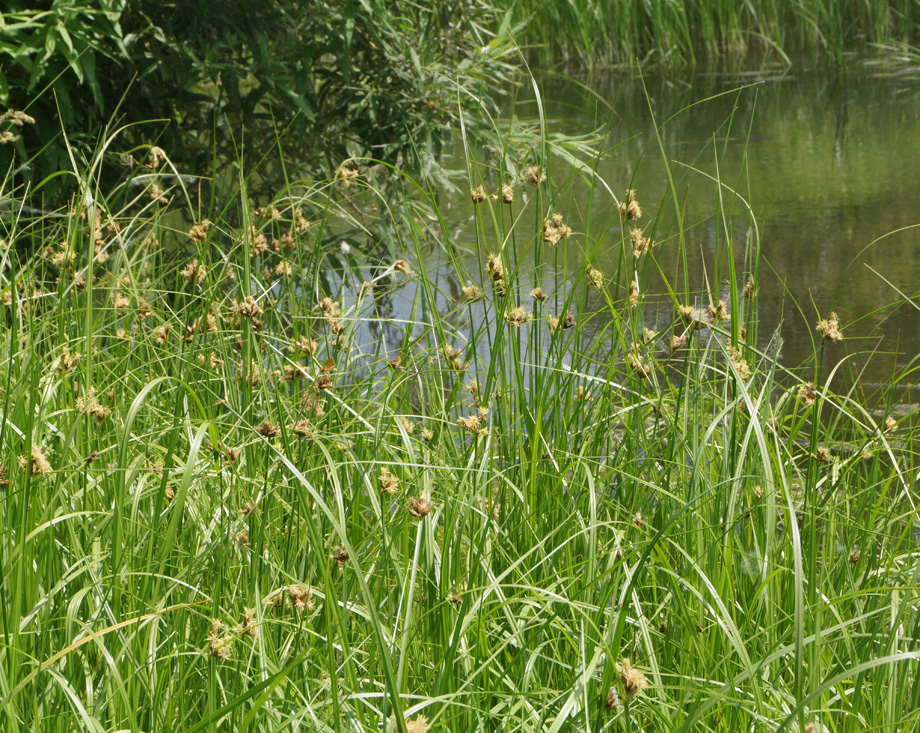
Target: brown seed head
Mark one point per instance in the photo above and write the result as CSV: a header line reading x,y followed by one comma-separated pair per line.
x,y
534,175
630,208
420,507
830,328
633,680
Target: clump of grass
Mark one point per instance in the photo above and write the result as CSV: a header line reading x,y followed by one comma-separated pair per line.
x,y
301,506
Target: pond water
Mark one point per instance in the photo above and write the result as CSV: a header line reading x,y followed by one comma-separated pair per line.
x,y
829,163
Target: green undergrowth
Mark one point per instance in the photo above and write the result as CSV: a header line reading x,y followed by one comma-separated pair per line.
x,y
255,478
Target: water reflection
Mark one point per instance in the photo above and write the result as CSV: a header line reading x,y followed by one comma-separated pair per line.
x,y
829,163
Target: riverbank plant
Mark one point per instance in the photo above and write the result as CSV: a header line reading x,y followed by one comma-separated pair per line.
x,y
256,478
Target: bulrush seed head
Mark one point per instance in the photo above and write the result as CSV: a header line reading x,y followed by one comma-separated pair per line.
x,y
478,195
248,627
830,328
302,597
388,482
749,290
517,316
268,429
507,194
719,311
90,406
471,292
554,230
37,462
641,244
248,308
741,366
219,646
566,321
495,267
199,232
194,273
595,277
402,266
420,507
418,724
807,393
538,295
633,680
534,175
346,173
630,207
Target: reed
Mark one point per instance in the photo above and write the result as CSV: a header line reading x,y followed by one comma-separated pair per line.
x,y
257,478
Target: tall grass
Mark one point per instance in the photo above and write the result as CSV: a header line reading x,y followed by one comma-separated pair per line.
x,y
259,480
605,32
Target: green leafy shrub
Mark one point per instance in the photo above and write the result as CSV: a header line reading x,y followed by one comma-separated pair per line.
x,y
337,79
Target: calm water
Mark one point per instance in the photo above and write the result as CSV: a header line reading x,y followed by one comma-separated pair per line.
x,y
829,163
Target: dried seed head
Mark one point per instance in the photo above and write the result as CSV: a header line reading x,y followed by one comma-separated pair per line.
x,y
304,345
517,316
258,243
692,317
158,194
302,597
534,175
633,680
566,321
199,232
741,366
474,424
719,312
471,292
37,462
346,173
161,333
890,424
554,230
641,244
388,482
341,555
91,406
417,725
420,507
507,194
595,277
402,266
830,328
218,645
268,429
248,627
247,309
808,393
156,157
633,297
194,273
749,290
630,208
822,454
478,195
18,118
637,364
538,295
495,267
678,342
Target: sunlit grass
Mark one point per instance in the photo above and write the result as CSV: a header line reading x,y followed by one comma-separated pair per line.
x,y
259,480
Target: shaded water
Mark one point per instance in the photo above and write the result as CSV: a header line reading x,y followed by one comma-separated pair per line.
x,y
829,163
